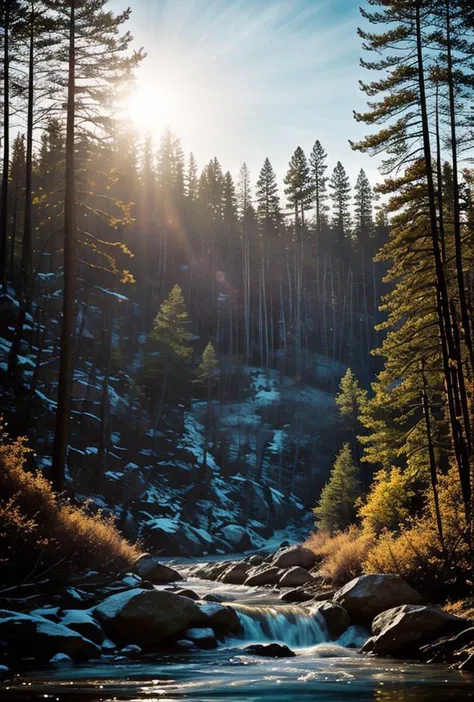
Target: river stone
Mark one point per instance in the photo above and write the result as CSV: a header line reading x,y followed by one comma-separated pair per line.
x,y
405,629
273,650
188,593
336,618
256,559
445,648
203,638
368,595
294,556
236,574
222,619
268,575
147,616
297,595
149,568
294,577
237,537
83,622
41,639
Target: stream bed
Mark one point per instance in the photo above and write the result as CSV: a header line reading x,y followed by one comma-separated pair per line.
x,y
323,670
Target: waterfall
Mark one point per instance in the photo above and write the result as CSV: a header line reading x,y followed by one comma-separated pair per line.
x,y
287,624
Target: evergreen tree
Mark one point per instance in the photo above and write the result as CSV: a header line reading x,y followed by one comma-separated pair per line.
x,y
268,200
299,190
336,507
192,179
363,216
341,196
318,166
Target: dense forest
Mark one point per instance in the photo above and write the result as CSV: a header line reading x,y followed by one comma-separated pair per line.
x,y
190,350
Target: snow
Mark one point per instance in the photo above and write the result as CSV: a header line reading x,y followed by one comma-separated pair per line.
x,y
111,293
168,524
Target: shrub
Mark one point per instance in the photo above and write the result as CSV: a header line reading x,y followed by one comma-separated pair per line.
x,y
416,553
388,504
42,533
342,554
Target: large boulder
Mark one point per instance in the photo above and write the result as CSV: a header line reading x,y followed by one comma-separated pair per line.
x,y
294,577
368,595
336,618
41,639
222,619
147,617
236,574
403,630
237,537
84,623
268,575
296,595
149,568
294,556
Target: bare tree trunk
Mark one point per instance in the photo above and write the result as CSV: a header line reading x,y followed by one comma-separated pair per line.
x,y
26,252
6,147
69,295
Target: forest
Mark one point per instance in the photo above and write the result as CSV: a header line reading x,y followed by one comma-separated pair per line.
x,y
195,362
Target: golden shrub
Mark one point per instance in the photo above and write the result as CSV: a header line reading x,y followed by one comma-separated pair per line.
x,y
342,554
40,532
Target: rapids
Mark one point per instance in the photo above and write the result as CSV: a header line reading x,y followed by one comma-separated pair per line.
x,y
329,671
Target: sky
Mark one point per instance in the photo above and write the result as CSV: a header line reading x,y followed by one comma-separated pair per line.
x,y
246,79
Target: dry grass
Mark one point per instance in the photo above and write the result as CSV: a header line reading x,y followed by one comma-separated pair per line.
x,y
342,554
41,534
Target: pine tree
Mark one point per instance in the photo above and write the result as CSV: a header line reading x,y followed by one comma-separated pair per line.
x,y
351,398
341,196
268,200
192,179
336,507
363,216
317,162
299,190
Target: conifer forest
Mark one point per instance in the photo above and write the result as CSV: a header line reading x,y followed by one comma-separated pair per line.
x,y
199,360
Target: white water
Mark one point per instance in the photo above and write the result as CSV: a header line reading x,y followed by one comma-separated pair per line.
x,y
284,624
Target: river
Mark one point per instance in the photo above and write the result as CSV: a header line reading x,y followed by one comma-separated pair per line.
x,y
321,670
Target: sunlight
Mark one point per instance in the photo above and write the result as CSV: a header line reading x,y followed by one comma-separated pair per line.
x,y
150,109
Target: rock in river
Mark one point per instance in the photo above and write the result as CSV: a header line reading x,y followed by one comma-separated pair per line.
x,y
294,556
294,577
402,630
149,568
273,650
147,616
368,595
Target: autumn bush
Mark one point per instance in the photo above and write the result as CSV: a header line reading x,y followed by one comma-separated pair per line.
x,y
341,555
42,534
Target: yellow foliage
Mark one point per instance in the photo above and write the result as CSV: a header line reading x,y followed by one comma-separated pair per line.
x,y
342,555
40,532
387,505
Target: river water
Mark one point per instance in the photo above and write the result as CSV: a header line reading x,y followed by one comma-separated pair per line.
x,y
322,670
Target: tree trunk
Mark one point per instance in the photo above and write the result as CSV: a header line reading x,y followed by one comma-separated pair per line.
x,y
6,148
69,295
26,254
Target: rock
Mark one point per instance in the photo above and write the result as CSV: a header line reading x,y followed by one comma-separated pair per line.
x,y
132,580
403,630
147,616
209,597
51,613
212,571
297,595
294,577
4,672
237,537
222,619
294,556
336,618
368,595
188,593
61,658
39,638
236,574
256,559
83,622
149,568
273,650
131,651
108,645
268,575
203,638
185,645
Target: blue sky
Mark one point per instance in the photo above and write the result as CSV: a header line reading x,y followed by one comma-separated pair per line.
x,y
246,79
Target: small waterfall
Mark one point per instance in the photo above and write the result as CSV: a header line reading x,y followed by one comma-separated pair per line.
x,y
286,624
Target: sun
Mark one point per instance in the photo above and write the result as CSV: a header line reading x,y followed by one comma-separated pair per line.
x,y
151,109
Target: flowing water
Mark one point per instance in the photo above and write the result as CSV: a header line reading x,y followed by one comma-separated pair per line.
x,y
328,671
